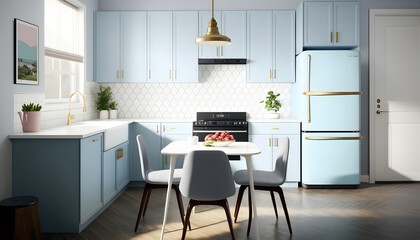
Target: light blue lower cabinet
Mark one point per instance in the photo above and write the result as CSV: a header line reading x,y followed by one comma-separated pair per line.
x,y
122,175
66,176
109,188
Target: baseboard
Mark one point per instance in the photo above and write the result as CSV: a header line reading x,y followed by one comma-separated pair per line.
x,y
364,178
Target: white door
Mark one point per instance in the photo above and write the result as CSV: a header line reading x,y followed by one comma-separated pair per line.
x,y
394,95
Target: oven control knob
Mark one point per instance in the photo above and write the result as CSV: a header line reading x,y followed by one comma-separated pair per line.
x,y
244,123
235,123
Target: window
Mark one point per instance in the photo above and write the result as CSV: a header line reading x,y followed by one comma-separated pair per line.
x,y
64,49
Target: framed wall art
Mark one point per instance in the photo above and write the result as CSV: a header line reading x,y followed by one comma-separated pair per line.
x,y
26,53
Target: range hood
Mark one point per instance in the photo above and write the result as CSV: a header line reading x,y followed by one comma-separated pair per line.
x,y
214,61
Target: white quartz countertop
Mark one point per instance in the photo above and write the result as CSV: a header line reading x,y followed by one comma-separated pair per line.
x,y
75,131
88,128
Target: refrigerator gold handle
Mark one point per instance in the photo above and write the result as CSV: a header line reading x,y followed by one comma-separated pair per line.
x,y
330,93
333,138
379,111
308,87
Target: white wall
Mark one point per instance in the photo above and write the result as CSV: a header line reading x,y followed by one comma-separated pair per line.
x,y
365,5
31,11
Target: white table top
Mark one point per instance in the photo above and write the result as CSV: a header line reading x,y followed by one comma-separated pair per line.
x,y
179,148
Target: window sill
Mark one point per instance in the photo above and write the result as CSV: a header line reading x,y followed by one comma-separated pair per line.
x,y
61,106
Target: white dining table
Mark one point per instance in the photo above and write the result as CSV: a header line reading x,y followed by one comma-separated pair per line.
x,y
181,148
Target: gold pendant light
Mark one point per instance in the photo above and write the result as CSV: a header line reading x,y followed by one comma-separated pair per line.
x,y
212,36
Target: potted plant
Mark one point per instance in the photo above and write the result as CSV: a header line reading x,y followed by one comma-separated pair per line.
x,y
31,118
272,105
102,103
113,112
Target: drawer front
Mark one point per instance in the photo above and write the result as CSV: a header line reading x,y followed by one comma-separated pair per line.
x,y
274,128
176,128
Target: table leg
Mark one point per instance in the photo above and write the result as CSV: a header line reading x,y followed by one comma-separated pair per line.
x,y
251,188
168,193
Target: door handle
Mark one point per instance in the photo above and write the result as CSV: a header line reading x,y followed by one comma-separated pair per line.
x,y
331,93
170,74
308,87
269,142
118,74
217,51
276,142
336,37
270,73
379,111
163,128
122,74
333,138
157,128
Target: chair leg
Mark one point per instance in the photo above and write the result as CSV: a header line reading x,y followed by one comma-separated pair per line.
x,y
187,218
225,205
250,212
147,201
274,203
180,204
283,202
238,201
145,192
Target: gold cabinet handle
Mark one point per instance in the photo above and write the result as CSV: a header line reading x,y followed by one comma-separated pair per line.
x,y
269,142
163,130
174,74
276,142
331,37
275,128
333,138
157,128
95,140
170,74
270,74
330,93
118,74
149,74
221,50
275,77
336,37
217,51
379,111
166,160
122,74
308,87
119,153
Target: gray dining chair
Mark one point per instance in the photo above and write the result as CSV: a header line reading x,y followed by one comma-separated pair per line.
x,y
266,181
207,180
155,179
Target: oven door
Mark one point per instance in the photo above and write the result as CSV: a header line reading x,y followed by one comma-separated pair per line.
x,y
240,136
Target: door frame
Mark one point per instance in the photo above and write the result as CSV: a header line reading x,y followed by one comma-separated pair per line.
x,y
372,14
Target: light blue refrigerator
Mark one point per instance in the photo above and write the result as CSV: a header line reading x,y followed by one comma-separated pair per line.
x,y
326,98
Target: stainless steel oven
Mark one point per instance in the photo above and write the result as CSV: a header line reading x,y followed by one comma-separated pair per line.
x,y
211,122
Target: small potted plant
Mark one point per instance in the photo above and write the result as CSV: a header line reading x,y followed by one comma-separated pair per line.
x,y
102,103
31,118
113,112
272,105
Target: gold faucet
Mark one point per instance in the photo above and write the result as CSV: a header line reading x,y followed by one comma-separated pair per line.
x,y
70,117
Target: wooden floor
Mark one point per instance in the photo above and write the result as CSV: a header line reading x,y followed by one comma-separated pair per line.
x,y
379,211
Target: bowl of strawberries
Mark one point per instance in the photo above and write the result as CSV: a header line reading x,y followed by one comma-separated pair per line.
x,y
219,139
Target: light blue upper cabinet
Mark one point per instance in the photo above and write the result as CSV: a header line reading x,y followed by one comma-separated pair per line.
x,y
159,46
185,51
107,46
133,47
233,25
318,24
346,23
284,46
259,46
204,19
270,46
327,25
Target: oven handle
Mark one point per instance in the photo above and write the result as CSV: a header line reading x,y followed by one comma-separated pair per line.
x,y
210,131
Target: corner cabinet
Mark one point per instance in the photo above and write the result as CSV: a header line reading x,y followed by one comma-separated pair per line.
x,y
270,46
65,174
268,137
327,25
231,24
120,47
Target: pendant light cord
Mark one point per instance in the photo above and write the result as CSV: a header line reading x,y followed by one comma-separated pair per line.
x,y
212,8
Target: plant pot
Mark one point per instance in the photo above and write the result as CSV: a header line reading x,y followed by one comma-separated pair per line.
x,y
103,114
31,121
272,115
113,114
